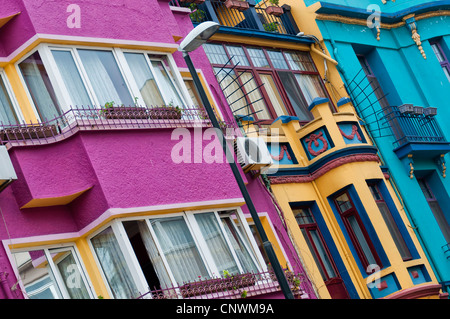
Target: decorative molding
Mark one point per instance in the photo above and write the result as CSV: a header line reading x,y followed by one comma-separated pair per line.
x,y
324,169
283,150
352,135
363,22
312,138
418,292
412,26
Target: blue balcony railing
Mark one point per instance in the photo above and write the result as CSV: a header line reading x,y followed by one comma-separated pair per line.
x,y
416,132
255,18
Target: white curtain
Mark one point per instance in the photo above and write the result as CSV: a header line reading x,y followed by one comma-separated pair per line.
x,y
72,278
154,256
39,86
310,86
255,96
274,95
179,249
167,87
237,243
231,90
216,243
144,79
105,77
72,78
114,265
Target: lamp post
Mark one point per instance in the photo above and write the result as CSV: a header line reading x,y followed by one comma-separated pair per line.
x,y
198,36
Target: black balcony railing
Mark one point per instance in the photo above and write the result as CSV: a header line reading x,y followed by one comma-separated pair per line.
x,y
254,18
411,127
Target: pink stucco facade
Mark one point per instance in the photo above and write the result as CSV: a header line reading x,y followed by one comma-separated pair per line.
x,y
110,169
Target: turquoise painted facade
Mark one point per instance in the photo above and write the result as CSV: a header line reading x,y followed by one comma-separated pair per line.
x,y
403,61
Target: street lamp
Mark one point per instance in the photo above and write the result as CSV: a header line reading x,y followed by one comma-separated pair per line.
x,y
198,36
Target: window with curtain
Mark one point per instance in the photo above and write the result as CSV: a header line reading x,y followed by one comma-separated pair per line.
x,y
114,265
54,273
8,115
92,78
273,82
41,90
356,230
177,249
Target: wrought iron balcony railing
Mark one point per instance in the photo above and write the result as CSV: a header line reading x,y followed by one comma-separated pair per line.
x,y
413,127
89,118
235,287
253,17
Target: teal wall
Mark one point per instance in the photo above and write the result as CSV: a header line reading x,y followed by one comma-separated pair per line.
x,y
407,78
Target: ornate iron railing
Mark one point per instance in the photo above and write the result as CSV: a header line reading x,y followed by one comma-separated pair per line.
x,y
255,17
411,127
233,287
88,119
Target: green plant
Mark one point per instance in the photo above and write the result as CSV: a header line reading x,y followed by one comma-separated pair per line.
x,y
271,26
274,2
197,15
109,104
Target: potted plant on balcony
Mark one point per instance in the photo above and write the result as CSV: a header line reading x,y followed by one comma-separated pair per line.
x,y
240,5
112,112
274,9
165,112
228,282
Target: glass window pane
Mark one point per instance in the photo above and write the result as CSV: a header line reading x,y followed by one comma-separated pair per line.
x,y
323,254
179,249
394,231
277,59
105,77
167,88
258,58
216,53
235,95
238,55
216,243
7,113
300,61
437,52
193,93
273,94
447,72
114,265
310,86
39,86
303,216
70,273
295,97
71,77
361,240
144,79
255,97
314,255
343,202
242,253
36,275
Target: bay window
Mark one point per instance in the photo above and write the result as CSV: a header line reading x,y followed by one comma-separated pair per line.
x,y
52,273
168,251
266,83
61,77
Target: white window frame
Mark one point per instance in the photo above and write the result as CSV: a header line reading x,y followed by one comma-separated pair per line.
x,y
189,217
61,91
54,271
